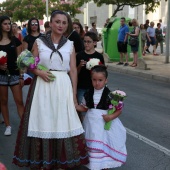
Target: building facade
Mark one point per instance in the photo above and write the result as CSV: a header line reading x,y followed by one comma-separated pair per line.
x,y
92,13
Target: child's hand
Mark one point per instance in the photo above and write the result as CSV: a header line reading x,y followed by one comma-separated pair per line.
x,y
81,108
107,118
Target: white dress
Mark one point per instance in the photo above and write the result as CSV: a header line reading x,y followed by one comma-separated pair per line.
x,y
106,148
53,114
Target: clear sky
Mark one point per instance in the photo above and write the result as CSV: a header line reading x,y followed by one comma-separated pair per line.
x,y
1,1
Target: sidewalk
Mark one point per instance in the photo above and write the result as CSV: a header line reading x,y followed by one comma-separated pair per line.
x,y
157,68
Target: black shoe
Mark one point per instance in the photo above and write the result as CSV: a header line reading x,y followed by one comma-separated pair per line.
x,y
119,63
147,50
126,64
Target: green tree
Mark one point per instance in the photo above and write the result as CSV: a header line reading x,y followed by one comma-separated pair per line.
x,y
71,7
21,10
150,5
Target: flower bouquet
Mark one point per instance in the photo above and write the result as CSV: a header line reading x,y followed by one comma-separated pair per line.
x,y
116,98
3,60
92,62
27,60
2,166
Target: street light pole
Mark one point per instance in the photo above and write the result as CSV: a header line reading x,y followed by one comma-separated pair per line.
x,y
167,33
47,9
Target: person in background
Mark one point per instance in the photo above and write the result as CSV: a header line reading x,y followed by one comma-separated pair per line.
x,y
33,34
107,21
19,30
24,30
93,29
47,26
159,37
135,35
10,76
72,35
143,36
84,76
162,25
79,29
151,39
15,31
146,25
86,29
122,42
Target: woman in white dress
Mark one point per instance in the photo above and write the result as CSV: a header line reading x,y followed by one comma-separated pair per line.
x,y
106,148
50,134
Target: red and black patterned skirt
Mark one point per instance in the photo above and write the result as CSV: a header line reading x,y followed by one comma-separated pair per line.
x,y
49,154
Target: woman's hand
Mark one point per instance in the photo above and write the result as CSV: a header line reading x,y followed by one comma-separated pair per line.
x,y
45,75
107,118
82,63
3,67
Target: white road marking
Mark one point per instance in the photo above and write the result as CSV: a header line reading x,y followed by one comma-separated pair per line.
x,y
149,142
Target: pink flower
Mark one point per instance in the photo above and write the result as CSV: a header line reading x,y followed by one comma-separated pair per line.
x,y
2,167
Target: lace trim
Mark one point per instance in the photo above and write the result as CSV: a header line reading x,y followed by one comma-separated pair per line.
x,y
58,135
51,162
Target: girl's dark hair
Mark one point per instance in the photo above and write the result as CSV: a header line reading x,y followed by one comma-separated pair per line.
x,y
81,29
100,69
2,19
29,25
92,35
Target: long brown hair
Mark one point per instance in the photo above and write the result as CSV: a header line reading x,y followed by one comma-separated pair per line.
x,y
2,19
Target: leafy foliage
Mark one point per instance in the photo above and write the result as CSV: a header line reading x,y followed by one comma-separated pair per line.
x,y
71,7
21,10
150,5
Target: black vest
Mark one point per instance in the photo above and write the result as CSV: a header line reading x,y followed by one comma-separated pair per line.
x,y
104,101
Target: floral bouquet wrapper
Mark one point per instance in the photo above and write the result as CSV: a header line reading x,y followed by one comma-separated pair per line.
x,y
92,62
116,98
27,60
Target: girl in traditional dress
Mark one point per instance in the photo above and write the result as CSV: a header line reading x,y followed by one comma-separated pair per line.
x,y
106,148
50,134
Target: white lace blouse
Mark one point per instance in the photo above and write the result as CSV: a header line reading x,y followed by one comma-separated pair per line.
x,y
55,63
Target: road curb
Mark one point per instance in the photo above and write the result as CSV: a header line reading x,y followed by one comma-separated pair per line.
x,y
137,72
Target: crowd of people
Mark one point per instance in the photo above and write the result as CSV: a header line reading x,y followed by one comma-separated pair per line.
x,y
55,131
149,36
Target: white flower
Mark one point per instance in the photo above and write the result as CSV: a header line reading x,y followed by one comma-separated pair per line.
x,y
92,62
2,54
120,93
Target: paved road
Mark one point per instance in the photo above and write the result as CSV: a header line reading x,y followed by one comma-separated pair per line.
x,y
146,112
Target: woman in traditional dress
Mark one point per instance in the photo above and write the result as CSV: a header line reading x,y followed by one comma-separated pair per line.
x,y
50,134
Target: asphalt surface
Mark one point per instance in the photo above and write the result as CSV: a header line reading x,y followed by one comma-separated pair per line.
x,y
146,112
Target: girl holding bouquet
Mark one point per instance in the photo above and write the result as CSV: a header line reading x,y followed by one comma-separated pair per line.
x,y
10,48
106,148
50,134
